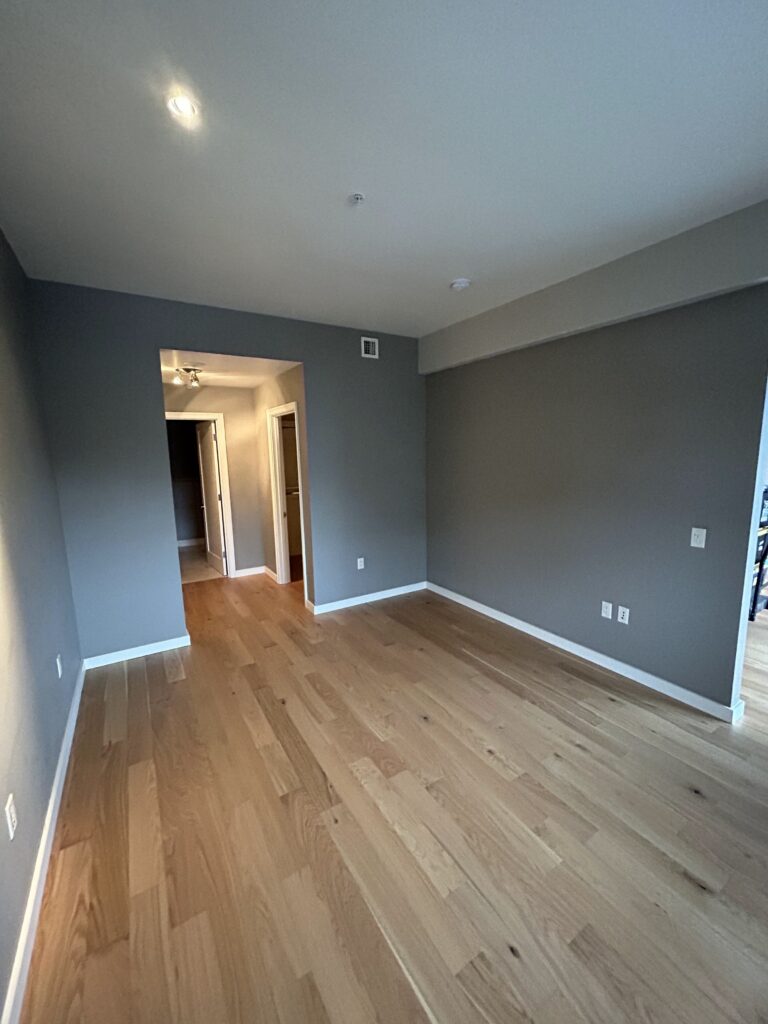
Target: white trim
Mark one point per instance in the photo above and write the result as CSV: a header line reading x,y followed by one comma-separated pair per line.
x,y
350,602
195,542
637,675
255,570
272,574
226,499
99,660
17,982
277,485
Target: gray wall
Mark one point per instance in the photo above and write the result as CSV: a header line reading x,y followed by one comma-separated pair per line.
x,y
104,402
185,480
722,255
37,619
238,408
572,472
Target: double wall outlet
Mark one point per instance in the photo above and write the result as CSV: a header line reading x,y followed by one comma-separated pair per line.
x,y
361,563
11,817
59,665
622,616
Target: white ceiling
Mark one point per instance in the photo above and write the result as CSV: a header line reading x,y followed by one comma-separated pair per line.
x,y
222,371
512,143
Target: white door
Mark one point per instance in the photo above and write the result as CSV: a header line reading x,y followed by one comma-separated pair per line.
x,y
210,476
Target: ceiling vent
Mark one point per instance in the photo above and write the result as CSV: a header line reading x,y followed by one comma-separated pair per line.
x,y
369,348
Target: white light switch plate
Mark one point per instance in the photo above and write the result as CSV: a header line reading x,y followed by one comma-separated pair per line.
x,y
361,563
698,537
59,666
607,611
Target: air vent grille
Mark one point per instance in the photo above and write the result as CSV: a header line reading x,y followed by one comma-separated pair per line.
x,y
369,348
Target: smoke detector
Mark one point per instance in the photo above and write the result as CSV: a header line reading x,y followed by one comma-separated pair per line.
x,y
357,199
459,284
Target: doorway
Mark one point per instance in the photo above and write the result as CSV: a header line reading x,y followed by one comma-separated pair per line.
x,y
197,450
287,493
752,644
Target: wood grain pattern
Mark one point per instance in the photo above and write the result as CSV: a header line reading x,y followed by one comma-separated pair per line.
x,y
402,813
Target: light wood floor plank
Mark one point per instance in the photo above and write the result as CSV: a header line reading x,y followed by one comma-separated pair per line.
x,y
402,813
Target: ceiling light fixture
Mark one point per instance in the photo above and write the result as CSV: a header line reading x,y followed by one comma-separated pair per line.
x,y
184,109
459,284
188,375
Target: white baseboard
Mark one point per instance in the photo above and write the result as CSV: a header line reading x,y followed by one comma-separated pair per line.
x,y
17,982
195,542
637,675
98,660
350,602
255,570
271,573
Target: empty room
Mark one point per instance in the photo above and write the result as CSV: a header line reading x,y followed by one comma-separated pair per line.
x,y
383,512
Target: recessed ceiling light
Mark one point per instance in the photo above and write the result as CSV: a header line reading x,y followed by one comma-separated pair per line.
x,y
460,284
183,108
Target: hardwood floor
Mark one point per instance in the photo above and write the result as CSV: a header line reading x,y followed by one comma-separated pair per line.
x,y
400,813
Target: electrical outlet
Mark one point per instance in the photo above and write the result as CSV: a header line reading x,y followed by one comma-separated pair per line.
x,y
10,815
623,615
59,665
361,563
698,537
607,612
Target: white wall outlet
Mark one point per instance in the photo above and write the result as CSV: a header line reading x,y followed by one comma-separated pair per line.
x,y
59,665
361,563
698,537
607,611
10,815
623,615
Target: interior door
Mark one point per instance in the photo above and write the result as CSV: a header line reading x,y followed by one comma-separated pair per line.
x,y
215,550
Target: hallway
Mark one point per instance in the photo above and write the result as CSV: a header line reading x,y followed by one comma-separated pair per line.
x,y
193,565
401,813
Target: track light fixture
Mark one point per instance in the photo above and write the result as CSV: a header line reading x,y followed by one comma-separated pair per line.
x,y
189,375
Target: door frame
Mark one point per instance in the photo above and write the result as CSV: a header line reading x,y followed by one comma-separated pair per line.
x,y
277,486
226,501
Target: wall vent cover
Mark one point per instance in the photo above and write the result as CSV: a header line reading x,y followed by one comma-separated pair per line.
x,y
369,348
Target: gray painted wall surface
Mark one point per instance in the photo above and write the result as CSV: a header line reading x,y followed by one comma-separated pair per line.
x,y
572,472
725,254
238,407
104,402
37,619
